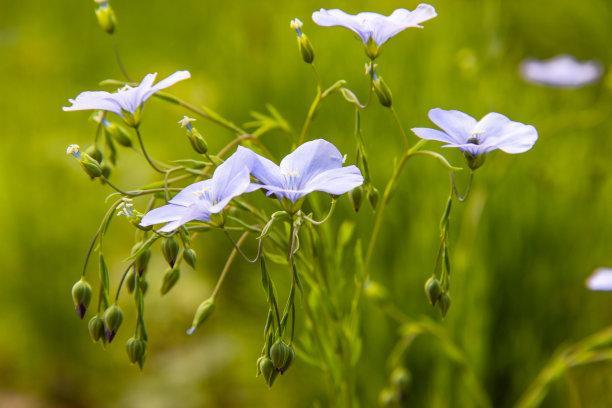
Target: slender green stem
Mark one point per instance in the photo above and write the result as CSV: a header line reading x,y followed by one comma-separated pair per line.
x,y
119,60
329,214
97,235
114,187
228,264
123,276
146,155
398,122
466,193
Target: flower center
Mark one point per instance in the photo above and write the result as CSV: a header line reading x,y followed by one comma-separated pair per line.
x,y
474,139
292,179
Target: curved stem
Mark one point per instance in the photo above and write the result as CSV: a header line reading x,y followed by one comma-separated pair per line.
x,y
240,251
146,155
97,235
329,214
114,187
123,276
466,193
120,61
228,264
399,125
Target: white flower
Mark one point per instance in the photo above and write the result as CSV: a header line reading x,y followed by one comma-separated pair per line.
x,y
127,100
562,71
601,279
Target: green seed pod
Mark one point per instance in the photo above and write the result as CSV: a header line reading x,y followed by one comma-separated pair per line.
x,y
94,153
280,354
130,281
433,290
202,314
96,328
142,261
81,296
170,249
474,161
113,317
197,142
267,370
383,92
373,196
190,257
136,350
171,276
91,166
444,303
356,196
306,49
106,16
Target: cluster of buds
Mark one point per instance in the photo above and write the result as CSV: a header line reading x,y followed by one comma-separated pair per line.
x,y
276,362
136,348
437,296
106,16
304,44
196,140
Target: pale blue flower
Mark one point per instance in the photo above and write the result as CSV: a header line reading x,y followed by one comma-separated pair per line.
x,y
313,166
601,279
493,131
126,100
562,71
200,200
373,26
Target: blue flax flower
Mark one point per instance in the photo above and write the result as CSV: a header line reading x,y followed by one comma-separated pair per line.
x,y
200,200
562,71
313,166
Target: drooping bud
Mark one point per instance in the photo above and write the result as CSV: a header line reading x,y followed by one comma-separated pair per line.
x,y
113,317
81,296
96,328
142,261
382,91
373,197
202,314
91,166
106,169
171,276
118,133
474,161
281,355
136,350
130,281
444,303
356,196
190,257
170,249
304,44
106,16
94,152
267,370
433,290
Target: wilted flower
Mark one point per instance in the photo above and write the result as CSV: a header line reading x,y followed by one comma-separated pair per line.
x,y
199,200
561,71
476,138
601,279
375,29
313,166
127,101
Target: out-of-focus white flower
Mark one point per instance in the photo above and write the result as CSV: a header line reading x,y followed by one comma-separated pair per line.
x,y
562,71
601,279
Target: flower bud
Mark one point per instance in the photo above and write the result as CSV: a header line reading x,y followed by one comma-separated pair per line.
x,y
281,355
81,296
96,328
106,169
267,369
171,276
130,281
306,49
444,303
474,161
197,142
373,196
95,153
106,16
91,166
142,261
372,50
203,312
113,317
356,196
190,257
382,91
118,133
433,290
136,350
170,249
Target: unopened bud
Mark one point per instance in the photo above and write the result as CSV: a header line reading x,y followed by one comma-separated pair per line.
x,y
106,169
142,260
130,281
474,161
373,196
113,317
433,290
171,276
91,166
95,153
444,303
118,133
388,397
106,16
96,328
81,296
382,91
170,249
267,370
203,312
190,257
136,350
281,355
197,142
356,196
306,49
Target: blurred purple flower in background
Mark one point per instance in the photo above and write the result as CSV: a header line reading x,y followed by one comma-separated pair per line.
x,y
313,166
199,200
601,279
562,71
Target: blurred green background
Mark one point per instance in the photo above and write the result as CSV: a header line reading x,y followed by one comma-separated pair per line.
x,y
535,227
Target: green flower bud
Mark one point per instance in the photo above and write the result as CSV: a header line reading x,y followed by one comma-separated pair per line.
x,y
306,49
130,281
433,290
106,16
170,249
382,91
142,261
96,328
113,317
444,303
136,350
267,369
373,196
281,355
106,169
202,314
94,153
190,257
474,161
356,196
372,50
171,276
118,133
197,142
81,296
91,166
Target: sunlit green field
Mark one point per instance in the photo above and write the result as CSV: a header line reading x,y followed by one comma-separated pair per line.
x,y
535,226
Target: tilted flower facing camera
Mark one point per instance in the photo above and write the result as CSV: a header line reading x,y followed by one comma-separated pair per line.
x,y
127,101
476,138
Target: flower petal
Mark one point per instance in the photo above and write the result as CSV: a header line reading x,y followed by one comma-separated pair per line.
x,y
170,80
601,279
455,123
513,138
433,134
96,100
335,181
166,213
401,19
189,194
261,168
310,159
336,17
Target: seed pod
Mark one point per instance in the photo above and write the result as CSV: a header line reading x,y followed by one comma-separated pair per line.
x,y
444,303
170,250
203,312
190,257
280,354
171,276
267,370
373,197
136,350
130,281
383,92
106,16
113,317
356,196
81,296
433,290
96,328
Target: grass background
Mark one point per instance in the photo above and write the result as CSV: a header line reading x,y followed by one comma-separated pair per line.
x,y
535,227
